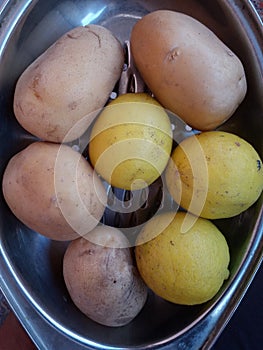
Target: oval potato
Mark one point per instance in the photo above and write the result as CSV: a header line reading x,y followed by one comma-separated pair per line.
x,y
102,279
60,93
53,190
188,68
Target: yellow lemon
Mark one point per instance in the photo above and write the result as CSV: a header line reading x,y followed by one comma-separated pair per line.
x,y
131,141
215,175
182,266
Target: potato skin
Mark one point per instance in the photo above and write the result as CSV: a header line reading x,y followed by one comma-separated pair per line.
x,y
53,190
102,279
188,68
60,93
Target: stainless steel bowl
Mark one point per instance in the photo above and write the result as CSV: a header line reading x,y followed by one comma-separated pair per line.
x,y
30,265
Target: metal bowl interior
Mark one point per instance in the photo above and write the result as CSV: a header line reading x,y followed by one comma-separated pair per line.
x,y
35,263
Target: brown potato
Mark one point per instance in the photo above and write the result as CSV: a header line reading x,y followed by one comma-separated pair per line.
x,y
53,190
188,68
60,93
102,279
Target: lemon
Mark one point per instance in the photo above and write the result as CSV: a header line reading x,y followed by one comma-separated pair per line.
x,y
131,141
215,174
183,267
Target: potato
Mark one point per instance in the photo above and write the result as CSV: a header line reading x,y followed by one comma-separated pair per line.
x,y
53,190
60,93
102,279
188,68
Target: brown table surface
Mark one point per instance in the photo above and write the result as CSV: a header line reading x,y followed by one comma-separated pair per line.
x,y
13,336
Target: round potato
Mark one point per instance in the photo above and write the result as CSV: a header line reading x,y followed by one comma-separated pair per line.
x,y
60,93
188,68
102,279
53,190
